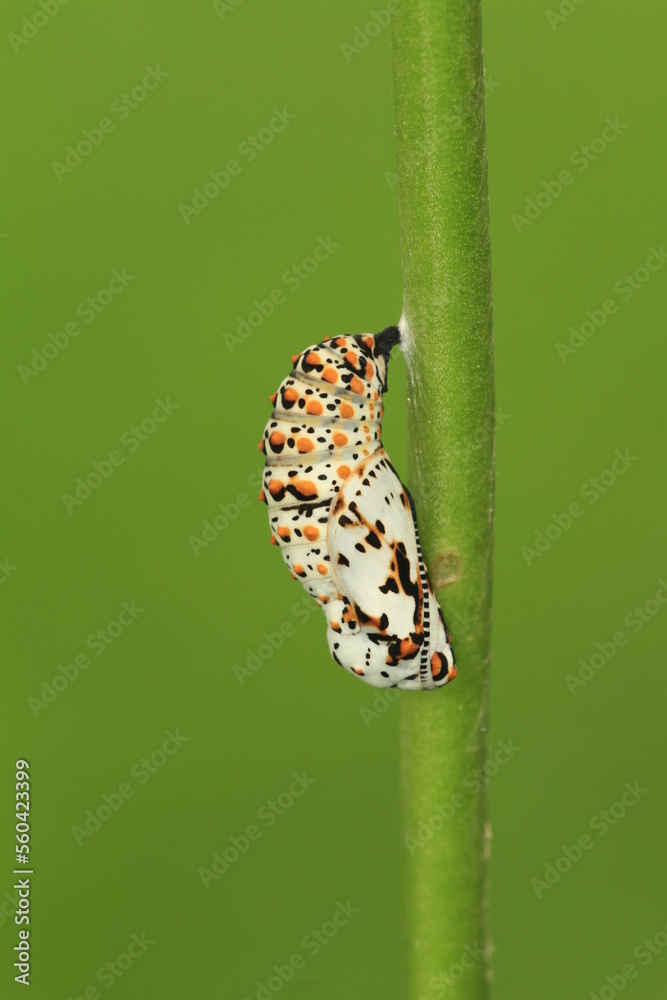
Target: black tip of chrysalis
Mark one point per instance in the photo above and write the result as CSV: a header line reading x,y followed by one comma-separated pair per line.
x,y
384,341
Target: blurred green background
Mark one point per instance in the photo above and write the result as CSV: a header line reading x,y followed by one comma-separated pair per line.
x,y
324,170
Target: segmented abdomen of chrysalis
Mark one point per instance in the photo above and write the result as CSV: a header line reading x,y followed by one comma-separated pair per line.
x,y
326,419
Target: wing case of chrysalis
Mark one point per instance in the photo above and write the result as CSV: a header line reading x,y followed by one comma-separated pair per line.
x,y
345,524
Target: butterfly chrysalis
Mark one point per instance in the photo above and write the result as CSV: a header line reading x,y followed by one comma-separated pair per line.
x,y
345,524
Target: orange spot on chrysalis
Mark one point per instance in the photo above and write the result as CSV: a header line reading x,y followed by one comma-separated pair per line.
x,y
306,488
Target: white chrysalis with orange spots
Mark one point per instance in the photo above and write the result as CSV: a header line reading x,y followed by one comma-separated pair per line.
x,y
345,524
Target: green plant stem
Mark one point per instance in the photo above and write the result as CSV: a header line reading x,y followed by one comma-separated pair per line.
x,y
445,243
